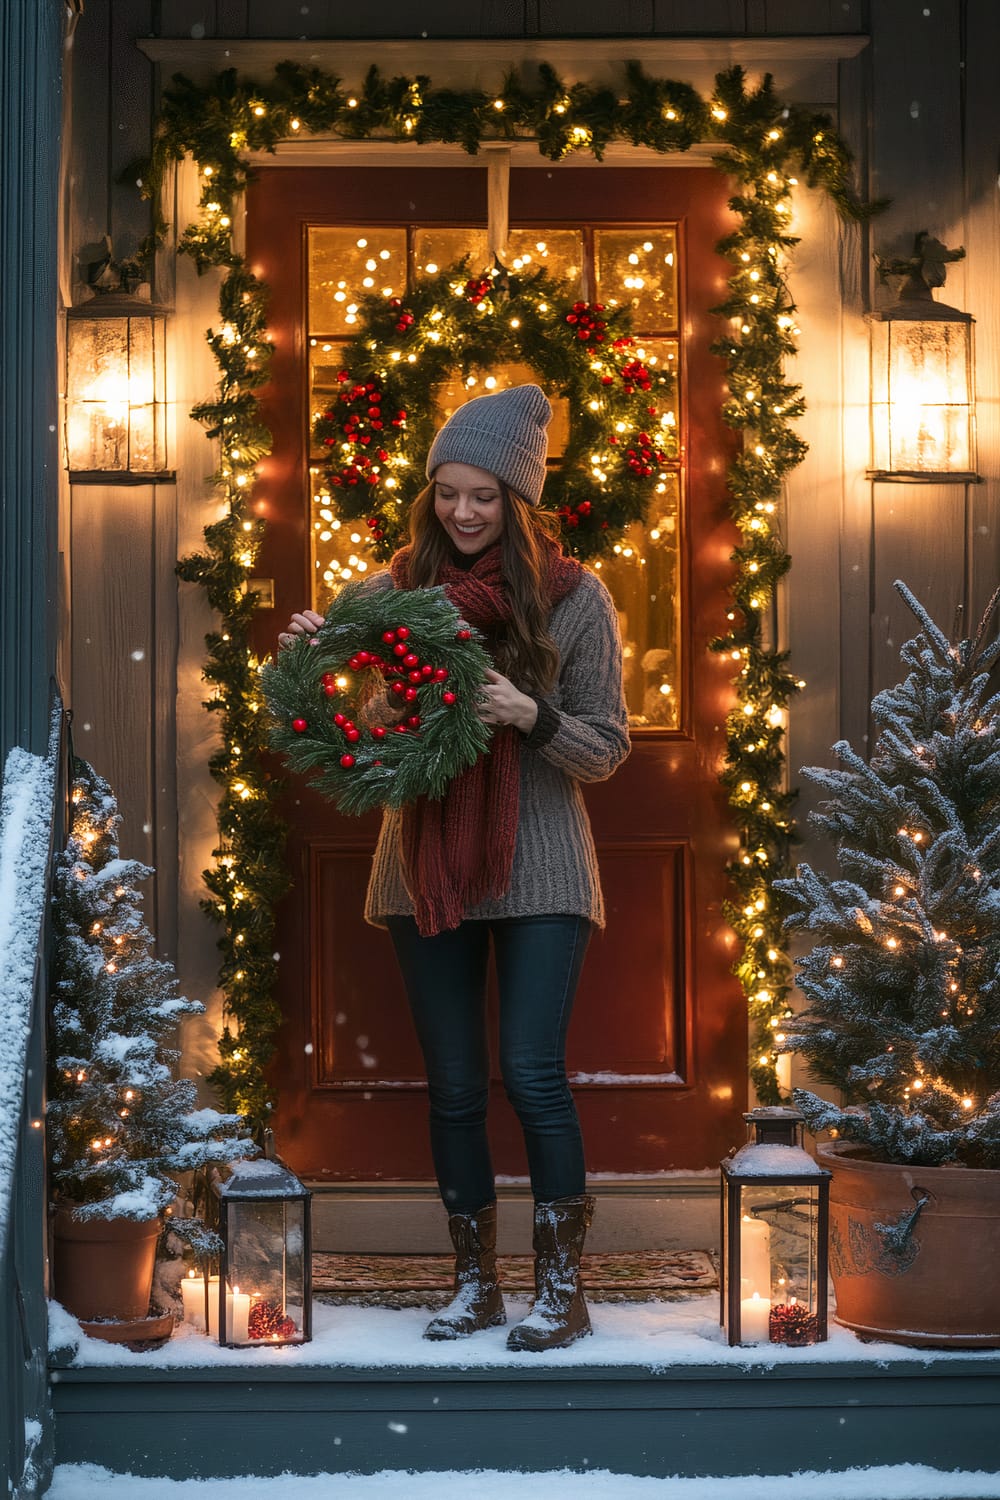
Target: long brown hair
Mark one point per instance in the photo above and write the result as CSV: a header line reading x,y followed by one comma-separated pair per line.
x,y
529,656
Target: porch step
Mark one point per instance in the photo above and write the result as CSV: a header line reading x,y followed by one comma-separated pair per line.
x,y
668,1211
685,1419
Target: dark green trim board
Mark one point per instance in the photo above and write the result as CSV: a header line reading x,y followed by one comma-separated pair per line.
x,y
31,41
31,38
686,1419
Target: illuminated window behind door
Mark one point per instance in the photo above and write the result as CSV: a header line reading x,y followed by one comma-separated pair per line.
x,y
633,266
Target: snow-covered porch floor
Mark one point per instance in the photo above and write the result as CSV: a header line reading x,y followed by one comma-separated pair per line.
x,y
655,1392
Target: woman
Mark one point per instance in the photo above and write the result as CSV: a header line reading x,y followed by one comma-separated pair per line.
x,y
507,854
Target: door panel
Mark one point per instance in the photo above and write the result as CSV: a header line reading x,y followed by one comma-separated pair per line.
x,y
658,1042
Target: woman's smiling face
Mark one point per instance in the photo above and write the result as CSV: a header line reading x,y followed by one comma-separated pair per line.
x,y
469,504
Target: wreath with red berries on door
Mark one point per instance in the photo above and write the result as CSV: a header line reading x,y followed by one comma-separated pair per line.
x,y
378,427
378,706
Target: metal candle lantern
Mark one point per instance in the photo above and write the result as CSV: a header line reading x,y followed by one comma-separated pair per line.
x,y
116,400
264,1290
775,1230
922,376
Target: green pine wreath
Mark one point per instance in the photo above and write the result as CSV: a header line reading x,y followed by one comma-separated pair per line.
x,y
379,427
377,706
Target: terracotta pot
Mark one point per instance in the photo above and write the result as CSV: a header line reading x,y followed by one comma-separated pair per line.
x,y
103,1268
928,1276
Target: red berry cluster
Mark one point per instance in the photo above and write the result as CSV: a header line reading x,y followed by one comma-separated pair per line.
x,y
636,375
573,515
585,320
360,429
405,320
411,674
476,288
269,1320
644,455
376,525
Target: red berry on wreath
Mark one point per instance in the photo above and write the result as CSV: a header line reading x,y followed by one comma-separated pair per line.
x,y
411,694
415,677
399,649
411,659
398,687
330,689
340,720
426,671
364,658
300,726
352,734
388,636
463,635
403,632
378,732
399,729
347,761
448,698
413,722
441,674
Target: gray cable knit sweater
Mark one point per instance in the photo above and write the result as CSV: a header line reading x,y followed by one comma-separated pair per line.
x,y
581,735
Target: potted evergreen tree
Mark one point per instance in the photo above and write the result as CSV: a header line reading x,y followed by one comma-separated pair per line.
x,y
903,1000
119,1123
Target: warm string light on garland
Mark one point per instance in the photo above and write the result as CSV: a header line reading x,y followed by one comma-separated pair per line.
x,y
248,876
763,142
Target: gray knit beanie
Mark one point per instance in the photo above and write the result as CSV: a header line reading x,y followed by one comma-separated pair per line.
x,y
503,433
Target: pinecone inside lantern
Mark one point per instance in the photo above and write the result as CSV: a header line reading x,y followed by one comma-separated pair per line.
x,y
268,1320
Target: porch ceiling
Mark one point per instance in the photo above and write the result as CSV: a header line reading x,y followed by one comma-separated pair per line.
x,y
804,67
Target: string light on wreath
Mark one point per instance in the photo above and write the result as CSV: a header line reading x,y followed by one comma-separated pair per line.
x,y
762,143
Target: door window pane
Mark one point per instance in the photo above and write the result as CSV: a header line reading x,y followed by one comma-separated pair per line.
x,y
637,268
559,252
436,249
660,357
644,581
346,264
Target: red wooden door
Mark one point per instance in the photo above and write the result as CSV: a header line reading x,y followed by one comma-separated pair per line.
x,y
657,1047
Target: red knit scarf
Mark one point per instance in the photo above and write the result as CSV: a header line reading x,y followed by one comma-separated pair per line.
x,y
459,850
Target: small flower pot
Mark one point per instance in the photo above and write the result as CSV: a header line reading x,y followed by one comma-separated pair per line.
x,y
914,1250
103,1268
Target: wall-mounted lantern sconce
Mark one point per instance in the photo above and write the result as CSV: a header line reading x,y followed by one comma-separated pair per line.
x,y
116,391
922,376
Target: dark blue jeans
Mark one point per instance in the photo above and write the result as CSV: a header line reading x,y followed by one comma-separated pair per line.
x,y
538,962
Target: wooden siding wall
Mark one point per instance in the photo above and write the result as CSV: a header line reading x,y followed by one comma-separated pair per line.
x,y
922,111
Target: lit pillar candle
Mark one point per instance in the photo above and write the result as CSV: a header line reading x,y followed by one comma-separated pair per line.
x,y
237,1316
193,1295
755,1320
755,1256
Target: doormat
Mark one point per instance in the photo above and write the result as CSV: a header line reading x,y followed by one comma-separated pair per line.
x,y
427,1280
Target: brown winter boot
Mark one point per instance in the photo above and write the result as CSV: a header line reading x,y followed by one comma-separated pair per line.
x,y
477,1302
559,1315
